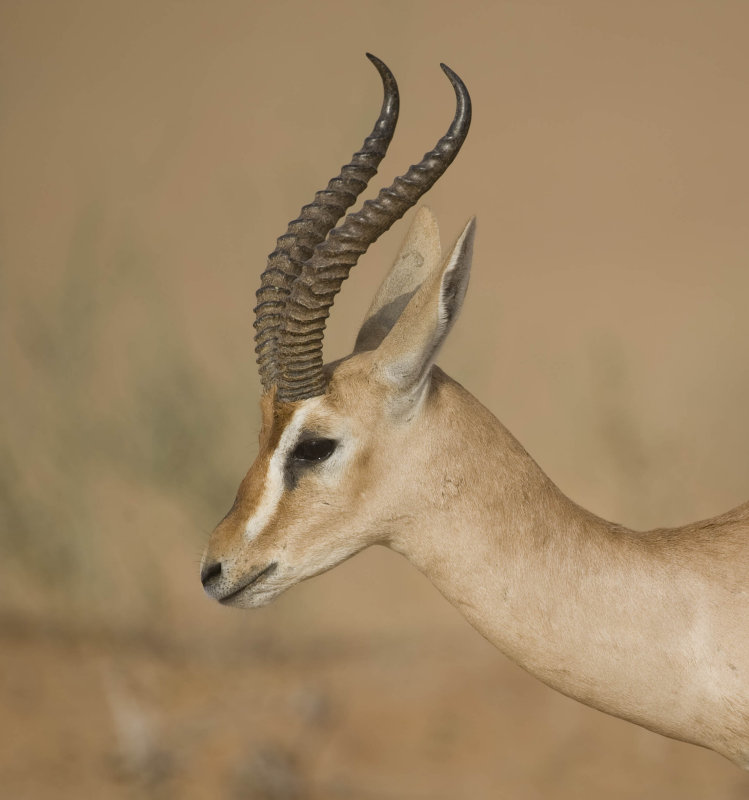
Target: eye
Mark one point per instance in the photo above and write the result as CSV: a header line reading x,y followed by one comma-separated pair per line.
x,y
314,449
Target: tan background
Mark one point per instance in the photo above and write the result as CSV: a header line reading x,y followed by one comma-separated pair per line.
x,y
150,153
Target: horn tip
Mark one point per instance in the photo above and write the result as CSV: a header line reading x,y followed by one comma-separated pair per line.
x,y
463,112
452,75
378,62
387,76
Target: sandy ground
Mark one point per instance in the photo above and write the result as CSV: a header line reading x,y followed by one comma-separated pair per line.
x,y
150,153
411,718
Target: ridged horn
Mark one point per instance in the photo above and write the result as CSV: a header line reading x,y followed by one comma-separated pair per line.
x,y
312,226
312,293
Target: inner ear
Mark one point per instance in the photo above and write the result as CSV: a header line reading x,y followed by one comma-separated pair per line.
x,y
454,287
376,327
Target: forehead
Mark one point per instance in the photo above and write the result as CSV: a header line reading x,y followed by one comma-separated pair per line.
x,y
349,395
291,418
275,416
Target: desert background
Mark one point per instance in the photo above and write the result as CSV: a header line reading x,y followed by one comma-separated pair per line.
x,y
150,153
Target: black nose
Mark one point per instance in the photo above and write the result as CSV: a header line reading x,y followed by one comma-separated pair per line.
x,y
209,572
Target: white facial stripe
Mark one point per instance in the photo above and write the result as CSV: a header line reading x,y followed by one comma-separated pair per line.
x,y
274,482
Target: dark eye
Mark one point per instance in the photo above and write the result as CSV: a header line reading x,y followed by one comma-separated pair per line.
x,y
314,449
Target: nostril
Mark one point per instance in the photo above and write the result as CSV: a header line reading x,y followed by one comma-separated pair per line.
x,y
209,572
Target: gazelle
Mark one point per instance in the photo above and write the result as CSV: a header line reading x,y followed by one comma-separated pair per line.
x,y
383,447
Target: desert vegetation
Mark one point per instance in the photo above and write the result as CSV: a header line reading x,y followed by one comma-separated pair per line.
x,y
149,156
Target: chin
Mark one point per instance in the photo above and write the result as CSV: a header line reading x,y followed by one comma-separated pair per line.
x,y
255,599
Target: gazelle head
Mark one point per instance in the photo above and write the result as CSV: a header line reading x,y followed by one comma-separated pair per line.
x,y
342,446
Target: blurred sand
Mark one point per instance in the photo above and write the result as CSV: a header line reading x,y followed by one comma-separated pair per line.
x,y
150,153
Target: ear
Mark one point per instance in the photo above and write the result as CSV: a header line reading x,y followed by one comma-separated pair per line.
x,y
405,357
418,257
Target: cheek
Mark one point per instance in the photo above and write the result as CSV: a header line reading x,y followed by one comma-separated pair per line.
x,y
320,503
302,512
361,482
308,516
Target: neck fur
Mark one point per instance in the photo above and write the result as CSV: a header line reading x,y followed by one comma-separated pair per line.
x,y
629,623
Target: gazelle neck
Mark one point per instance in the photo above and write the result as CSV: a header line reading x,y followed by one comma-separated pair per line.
x,y
619,620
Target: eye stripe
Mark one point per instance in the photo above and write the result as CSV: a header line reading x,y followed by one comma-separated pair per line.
x,y
275,476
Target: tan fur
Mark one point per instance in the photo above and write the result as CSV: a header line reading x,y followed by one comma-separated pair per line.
x,y
650,627
274,418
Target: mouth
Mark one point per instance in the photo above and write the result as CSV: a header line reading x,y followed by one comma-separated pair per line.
x,y
252,581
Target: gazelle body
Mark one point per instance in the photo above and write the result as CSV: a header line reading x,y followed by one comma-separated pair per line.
x,y
383,447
